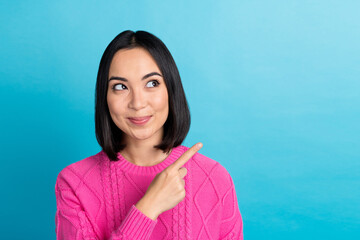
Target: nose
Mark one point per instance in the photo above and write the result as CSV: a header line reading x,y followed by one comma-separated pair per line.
x,y
137,100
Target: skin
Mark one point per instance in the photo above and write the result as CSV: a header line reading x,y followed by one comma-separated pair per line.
x,y
167,188
138,97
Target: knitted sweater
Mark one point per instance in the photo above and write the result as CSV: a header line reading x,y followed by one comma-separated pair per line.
x,y
96,200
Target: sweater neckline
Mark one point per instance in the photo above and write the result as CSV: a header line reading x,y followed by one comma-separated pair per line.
x,y
129,167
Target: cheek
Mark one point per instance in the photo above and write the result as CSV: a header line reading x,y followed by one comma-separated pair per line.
x,y
161,101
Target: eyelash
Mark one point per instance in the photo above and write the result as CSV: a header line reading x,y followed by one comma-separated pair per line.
x,y
157,84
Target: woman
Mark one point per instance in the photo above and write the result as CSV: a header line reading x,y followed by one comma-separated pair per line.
x,y
144,184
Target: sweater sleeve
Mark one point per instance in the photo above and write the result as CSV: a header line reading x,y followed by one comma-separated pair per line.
x,y
231,223
73,223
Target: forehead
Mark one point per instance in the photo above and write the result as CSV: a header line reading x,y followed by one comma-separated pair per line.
x,y
133,61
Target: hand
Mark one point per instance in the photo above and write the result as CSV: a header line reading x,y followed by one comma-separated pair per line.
x,y
167,188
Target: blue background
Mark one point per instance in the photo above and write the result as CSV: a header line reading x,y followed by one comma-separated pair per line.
x,y
273,89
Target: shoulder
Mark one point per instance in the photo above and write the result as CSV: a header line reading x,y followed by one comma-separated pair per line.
x,y
72,175
209,177
207,167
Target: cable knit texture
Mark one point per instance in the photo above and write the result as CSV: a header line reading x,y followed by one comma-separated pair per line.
x,y
96,200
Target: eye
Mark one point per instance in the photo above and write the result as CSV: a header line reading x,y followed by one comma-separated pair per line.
x,y
122,87
153,83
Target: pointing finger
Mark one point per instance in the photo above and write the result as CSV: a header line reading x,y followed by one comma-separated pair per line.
x,y
185,157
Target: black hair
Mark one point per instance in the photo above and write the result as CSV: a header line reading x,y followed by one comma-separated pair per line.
x,y
177,125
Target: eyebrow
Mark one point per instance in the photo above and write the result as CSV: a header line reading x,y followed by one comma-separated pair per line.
x,y
143,78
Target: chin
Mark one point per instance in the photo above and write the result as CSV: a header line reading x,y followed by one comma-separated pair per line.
x,y
142,136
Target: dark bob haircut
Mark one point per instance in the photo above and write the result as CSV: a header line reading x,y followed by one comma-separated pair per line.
x,y
177,125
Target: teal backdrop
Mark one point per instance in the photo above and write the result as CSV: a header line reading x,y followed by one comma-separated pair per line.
x,y
273,89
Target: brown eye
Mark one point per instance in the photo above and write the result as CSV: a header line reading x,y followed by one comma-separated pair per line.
x,y
122,87
152,83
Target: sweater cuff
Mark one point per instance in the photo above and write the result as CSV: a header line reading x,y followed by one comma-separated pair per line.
x,y
137,225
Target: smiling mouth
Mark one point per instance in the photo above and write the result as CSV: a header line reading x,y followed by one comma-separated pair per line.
x,y
139,120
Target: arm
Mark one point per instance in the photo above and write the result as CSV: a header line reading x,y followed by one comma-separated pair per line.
x,y
72,222
231,223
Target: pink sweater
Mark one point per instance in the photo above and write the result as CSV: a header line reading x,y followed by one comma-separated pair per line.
x,y
96,199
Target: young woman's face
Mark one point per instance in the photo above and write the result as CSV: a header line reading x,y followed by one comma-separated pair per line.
x,y
137,90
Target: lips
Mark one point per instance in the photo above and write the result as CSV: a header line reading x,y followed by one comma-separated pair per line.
x,y
139,120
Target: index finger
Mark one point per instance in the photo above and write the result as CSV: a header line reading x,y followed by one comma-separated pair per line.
x,y
185,157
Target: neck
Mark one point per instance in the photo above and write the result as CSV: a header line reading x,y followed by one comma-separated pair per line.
x,y
141,152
